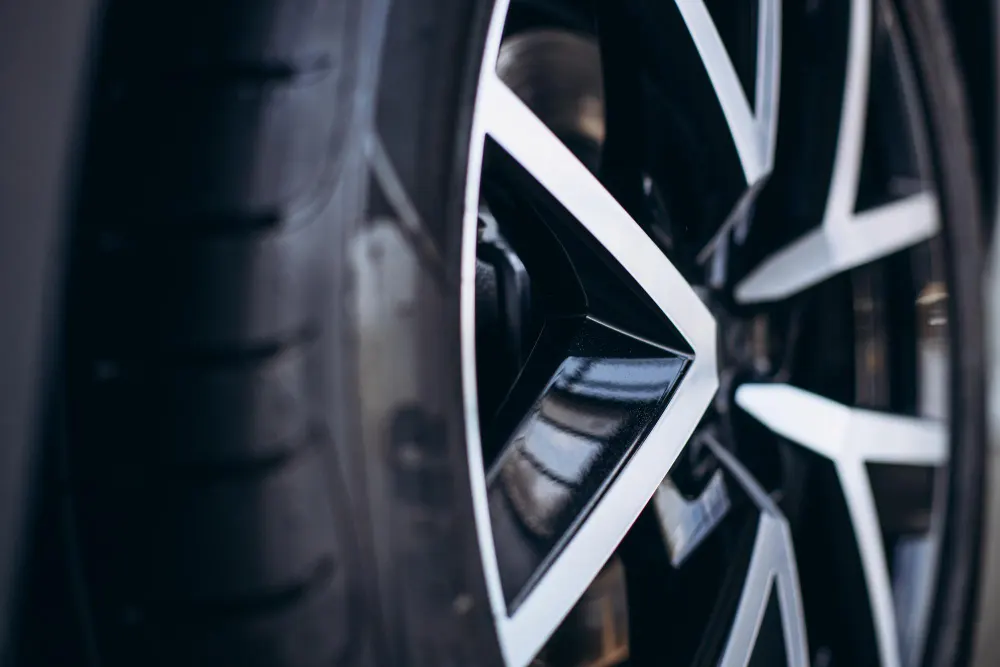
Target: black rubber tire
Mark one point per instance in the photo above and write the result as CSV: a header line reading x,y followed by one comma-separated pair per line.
x,y
244,491
43,90
266,438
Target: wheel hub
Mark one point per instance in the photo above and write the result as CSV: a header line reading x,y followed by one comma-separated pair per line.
x,y
649,365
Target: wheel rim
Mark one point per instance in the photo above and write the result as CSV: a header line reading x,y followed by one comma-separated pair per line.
x,y
599,478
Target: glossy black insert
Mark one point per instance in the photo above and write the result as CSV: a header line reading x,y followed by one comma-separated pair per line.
x,y
605,389
770,646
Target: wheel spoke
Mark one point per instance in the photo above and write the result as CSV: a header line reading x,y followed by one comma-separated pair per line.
x,y
592,424
845,239
772,572
852,438
580,406
551,477
842,197
842,433
754,131
839,245
867,531
523,135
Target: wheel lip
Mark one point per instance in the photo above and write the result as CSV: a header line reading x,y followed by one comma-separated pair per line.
x,y
470,401
467,321
523,631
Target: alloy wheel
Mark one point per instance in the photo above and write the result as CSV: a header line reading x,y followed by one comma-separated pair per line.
x,y
705,333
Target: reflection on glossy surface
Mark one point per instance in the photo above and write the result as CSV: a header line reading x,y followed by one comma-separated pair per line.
x,y
686,523
579,431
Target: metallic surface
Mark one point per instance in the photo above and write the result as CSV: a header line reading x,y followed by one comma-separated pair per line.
x,y
507,120
592,413
845,239
533,486
851,438
754,131
772,572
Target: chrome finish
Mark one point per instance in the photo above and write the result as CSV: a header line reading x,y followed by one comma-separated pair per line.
x,y
559,448
467,314
845,239
839,432
500,114
841,244
851,438
754,131
772,571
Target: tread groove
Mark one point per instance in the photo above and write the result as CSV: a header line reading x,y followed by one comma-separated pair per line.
x,y
208,472
224,73
207,357
174,474
248,355
213,135
196,612
196,226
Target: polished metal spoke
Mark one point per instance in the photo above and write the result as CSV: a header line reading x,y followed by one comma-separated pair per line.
x,y
851,438
845,239
842,244
772,571
754,131
502,117
839,432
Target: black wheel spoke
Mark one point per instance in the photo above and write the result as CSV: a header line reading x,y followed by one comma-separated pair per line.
x,y
601,391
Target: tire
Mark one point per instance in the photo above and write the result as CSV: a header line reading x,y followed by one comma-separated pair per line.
x,y
265,434
242,497
39,114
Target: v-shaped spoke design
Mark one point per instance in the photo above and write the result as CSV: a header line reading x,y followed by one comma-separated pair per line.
x,y
839,432
521,134
845,239
772,572
851,438
754,131
841,244
573,481
594,391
